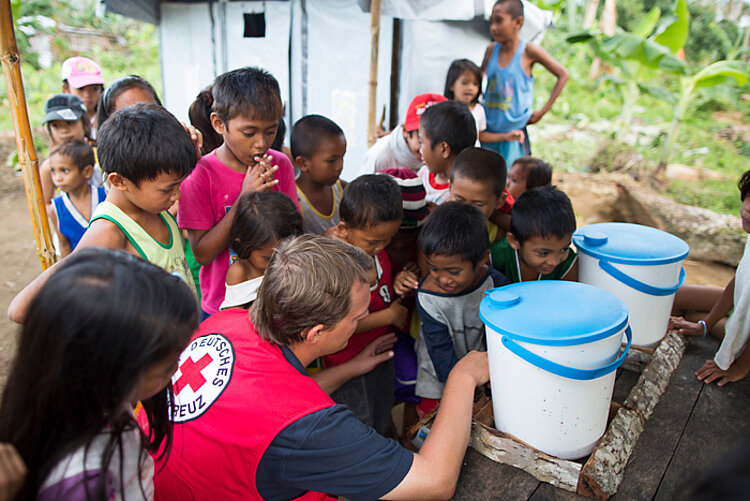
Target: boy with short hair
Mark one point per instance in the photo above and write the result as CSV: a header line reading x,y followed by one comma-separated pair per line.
x,y
71,166
478,177
400,148
537,246
455,243
145,153
445,130
370,217
509,96
318,147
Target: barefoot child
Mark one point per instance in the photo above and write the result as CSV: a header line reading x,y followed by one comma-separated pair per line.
x,y
528,173
732,362
509,97
370,217
145,153
84,360
445,130
246,110
455,242
71,166
537,246
318,148
464,84
263,219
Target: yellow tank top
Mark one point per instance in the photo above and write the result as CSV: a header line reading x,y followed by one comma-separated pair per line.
x,y
171,256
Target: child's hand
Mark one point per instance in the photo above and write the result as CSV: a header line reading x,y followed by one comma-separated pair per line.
x,y
399,315
535,117
259,177
12,472
516,135
710,372
378,351
196,137
405,282
684,327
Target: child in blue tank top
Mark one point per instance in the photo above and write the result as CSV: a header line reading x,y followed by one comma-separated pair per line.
x,y
509,98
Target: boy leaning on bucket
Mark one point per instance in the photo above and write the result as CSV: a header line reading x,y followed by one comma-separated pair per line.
x,y
455,244
537,247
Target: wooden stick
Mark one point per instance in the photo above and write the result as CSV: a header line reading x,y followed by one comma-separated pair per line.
x,y
11,62
373,81
603,472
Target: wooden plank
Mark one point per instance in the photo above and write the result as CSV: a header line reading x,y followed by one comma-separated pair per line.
x,y
657,443
482,478
719,420
504,448
603,472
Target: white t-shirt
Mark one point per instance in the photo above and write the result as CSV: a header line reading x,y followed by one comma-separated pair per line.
x,y
481,119
69,479
389,152
434,191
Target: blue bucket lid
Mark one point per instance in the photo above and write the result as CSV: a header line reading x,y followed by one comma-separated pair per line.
x,y
553,312
630,244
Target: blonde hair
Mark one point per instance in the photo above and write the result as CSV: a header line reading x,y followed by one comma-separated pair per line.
x,y
307,282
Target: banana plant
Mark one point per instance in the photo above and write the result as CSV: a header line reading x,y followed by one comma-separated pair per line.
x,y
640,56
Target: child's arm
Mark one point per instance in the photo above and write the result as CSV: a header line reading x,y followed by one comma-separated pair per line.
x,y
101,233
396,315
439,344
63,241
378,351
719,310
487,56
538,55
207,244
406,282
496,137
739,369
12,472
48,187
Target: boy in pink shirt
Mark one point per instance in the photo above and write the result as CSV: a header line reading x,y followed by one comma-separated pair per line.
x,y
246,111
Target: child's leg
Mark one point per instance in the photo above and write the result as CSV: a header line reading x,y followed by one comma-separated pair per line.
x,y
695,299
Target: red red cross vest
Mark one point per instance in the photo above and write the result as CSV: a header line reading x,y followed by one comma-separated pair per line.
x,y
234,393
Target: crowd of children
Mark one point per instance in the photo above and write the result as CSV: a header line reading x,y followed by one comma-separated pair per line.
x,y
448,206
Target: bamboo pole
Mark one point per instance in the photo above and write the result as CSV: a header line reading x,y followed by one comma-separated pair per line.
x,y
372,83
11,62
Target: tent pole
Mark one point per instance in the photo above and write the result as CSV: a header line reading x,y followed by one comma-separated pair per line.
x,y
372,84
11,62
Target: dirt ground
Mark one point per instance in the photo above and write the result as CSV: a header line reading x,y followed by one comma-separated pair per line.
x,y
20,263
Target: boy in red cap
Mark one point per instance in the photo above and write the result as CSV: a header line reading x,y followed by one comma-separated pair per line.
x,y
400,148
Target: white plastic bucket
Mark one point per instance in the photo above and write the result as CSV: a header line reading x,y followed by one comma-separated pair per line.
x,y
640,265
553,350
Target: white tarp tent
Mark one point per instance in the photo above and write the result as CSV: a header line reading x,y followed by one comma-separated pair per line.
x,y
319,51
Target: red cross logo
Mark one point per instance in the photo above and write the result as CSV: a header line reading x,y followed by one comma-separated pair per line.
x,y
191,374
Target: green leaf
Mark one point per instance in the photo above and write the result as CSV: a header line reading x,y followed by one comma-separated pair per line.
x,y
721,72
671,64
647,25
657,92
580,37
675,34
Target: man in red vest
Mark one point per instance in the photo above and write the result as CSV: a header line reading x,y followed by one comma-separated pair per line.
x,y
251,424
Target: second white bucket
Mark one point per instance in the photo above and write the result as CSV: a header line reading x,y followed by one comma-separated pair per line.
x,y
640,265
553,349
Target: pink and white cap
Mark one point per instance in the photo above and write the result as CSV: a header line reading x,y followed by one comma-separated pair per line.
x,y
81,71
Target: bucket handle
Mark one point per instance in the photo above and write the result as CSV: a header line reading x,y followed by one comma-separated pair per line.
x,y
563,370
637,284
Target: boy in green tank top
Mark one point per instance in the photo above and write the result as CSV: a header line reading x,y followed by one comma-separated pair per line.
x,y
537,247
145,153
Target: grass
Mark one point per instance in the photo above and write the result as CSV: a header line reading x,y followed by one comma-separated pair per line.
x,y
586,114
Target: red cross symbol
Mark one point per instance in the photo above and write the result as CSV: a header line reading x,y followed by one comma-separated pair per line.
x,y
191,374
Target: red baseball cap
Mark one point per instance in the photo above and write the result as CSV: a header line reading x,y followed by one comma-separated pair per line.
x,y
417,107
